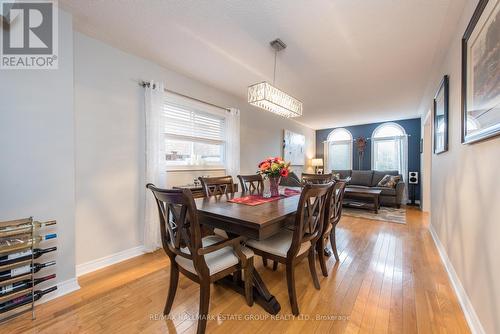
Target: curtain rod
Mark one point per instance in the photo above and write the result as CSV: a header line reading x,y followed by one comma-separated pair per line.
x,y
369,138
147,84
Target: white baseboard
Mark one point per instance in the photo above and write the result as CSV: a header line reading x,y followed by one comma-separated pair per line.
x,y
71,285
63,288
87,267
469,312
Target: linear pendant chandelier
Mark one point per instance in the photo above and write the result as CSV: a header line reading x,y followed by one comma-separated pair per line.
x,y
268,97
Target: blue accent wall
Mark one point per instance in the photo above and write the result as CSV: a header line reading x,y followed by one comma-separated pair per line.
x,y
412,128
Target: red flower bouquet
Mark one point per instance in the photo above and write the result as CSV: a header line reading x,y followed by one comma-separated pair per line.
x,y
274,169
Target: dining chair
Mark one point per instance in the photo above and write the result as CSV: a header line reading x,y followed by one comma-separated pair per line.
x,y
217,185
203,260
291,246
254,183
251,182
316,178
332,215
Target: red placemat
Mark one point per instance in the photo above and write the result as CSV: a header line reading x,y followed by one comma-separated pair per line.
x,y
253,200
291,192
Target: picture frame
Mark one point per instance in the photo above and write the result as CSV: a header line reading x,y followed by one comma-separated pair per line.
x,y
294,148
441,112
481,74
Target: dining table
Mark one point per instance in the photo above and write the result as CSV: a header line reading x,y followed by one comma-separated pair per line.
x,y
250,221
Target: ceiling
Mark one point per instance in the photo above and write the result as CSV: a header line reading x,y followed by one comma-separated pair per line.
x,y
349,61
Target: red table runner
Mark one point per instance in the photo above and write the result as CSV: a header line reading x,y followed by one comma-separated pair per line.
x,y
253,200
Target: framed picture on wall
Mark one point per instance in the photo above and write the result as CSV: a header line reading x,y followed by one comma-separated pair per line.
x,y
441,103
481,73
294,146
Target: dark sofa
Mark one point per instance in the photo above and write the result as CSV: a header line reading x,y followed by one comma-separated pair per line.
x,y
370,179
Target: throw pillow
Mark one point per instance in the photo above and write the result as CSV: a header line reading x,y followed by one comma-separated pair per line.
x,y
389,181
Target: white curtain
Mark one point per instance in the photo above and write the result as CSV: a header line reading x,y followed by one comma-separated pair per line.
x,y
326,157
155,171
233,142
402,147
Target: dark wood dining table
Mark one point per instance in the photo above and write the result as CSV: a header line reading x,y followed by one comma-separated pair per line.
x,y
256,222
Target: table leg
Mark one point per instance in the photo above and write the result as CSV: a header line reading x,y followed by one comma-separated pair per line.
x,y
376,204
261,294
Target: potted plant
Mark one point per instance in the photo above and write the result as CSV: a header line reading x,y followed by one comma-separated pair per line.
x,y
273,169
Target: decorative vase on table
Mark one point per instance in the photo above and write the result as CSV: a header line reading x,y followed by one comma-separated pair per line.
x,y
274,182
266,191
272,170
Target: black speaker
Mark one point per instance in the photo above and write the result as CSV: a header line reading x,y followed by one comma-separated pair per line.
x,y
413,177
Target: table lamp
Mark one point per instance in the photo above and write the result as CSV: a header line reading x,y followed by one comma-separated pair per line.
x,y
317,163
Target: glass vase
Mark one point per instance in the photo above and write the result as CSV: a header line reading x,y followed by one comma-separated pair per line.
x,y
274,182
266,191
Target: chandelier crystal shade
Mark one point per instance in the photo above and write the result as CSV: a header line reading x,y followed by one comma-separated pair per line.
x,y
268,97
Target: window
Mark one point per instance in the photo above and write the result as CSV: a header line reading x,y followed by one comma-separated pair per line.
x,y
472,124
338,150
194,134
389,148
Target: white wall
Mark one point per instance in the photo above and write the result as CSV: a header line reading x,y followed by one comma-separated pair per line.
x,y
37,165
465,199
110,142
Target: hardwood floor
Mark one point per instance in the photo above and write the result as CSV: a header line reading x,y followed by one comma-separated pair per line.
x,y
389,279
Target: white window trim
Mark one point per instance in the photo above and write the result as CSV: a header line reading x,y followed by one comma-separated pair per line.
x,y
207,109
191,168
326,147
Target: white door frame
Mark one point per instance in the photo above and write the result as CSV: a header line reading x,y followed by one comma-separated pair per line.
x,y
426,163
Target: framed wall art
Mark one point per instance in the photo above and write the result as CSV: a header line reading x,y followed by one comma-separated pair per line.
x,y
294,149
441,103
481,74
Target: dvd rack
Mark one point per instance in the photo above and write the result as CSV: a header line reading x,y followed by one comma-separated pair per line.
x,y
19,242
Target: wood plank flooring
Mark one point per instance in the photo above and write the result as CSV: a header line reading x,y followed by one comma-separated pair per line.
x,y
390,279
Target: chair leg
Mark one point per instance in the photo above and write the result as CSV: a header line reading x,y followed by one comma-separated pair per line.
x,y
312,267
275,265
204,303
264,261
334,244
237,276
320,246
172,288
290,281
248,272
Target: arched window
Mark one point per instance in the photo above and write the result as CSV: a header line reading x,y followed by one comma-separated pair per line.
x,y
338,150
390,148
388,130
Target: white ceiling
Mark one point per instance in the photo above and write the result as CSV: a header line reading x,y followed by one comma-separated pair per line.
x,y
349,61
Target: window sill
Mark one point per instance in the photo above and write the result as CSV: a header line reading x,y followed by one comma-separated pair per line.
x,y
192,168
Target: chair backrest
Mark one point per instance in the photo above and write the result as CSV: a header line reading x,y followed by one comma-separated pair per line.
x,y
309,216
316,178
251,182
292,180
179,226
333,206
217,185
